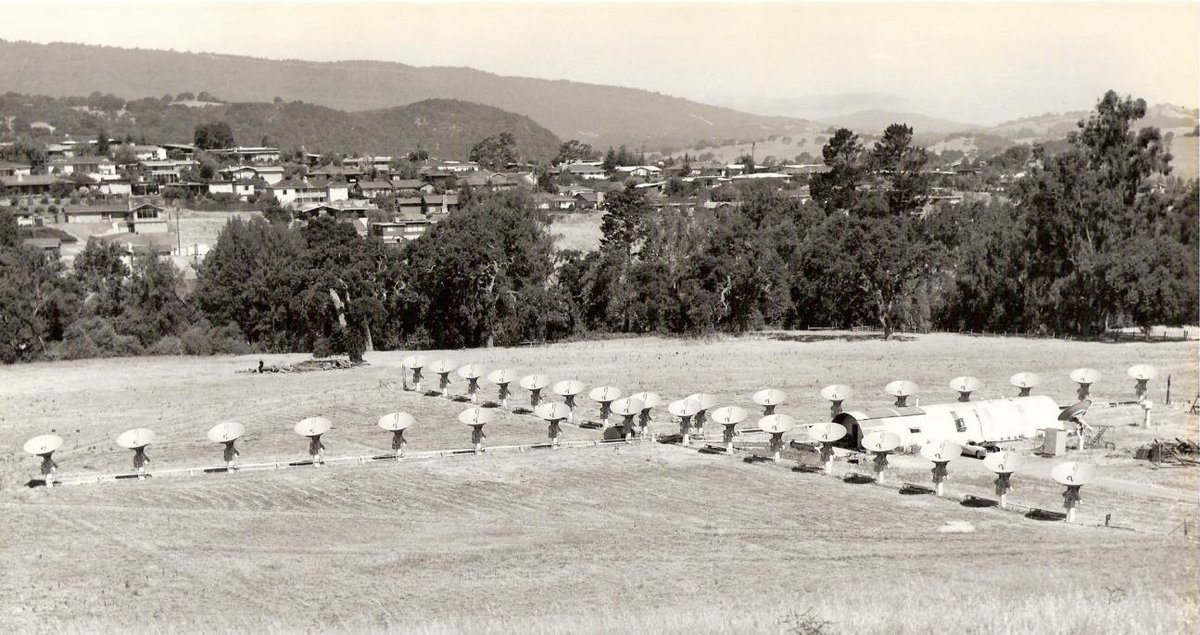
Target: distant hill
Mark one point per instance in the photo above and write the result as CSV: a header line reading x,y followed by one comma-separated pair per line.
x,y
446,128
1166,117
874,121
599,115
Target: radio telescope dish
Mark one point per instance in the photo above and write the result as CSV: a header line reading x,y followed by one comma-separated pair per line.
x,y
605,394
136,438
965,385
729,415
1073,473
226,431
313,426
475,416
568,388
901,388
704,400
683,407
881,441
442,367
1075,411
776,424
769,397
413,362
649,399
941,451
552,411
396,421
827,432
627,406
836,392
1085,376
470,371
1143,372
1004,462
535,382
1025,381
43,444
502,376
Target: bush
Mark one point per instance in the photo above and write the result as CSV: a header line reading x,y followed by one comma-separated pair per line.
x,y
167,345
322,347
195,341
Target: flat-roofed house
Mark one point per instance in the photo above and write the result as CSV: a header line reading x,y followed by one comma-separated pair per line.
x,y
29,183
8,168
401,228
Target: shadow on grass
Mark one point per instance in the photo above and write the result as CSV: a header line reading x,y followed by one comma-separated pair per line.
x,y
215,470
35,482
915,490
1044,514
808,338
809,469
972,501
858,479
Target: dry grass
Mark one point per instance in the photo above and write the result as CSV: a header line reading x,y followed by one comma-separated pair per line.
x,y
641,538
579,231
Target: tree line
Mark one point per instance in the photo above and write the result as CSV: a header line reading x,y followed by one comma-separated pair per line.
x,y
1094,236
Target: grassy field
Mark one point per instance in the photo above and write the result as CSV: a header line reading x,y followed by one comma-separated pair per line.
x,y
616,538
579,231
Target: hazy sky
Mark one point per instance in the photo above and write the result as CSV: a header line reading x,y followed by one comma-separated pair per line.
x,y
972,62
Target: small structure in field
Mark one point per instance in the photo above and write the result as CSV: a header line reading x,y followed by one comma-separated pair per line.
x,y
1073,475
502,378
941,453
1025,382
730,417
1085,377
836,394
769,398
553,413
568,389
964,386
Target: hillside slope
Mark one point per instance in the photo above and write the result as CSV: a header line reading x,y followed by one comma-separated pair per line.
x,y
874,121
600,115
446,128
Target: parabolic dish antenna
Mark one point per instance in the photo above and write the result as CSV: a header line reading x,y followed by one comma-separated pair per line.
x,y
836,392
552,411
1143,372
43,444
881,441
396,421
1073,473
769,397
729,415
605,394
683,407
313,426
966,383
776,424
827,432
442,367
648,399
414,361
1085,376
535,382
941,451
226,431
1025,380
627,406
1074,411
901,388
1003,462
136,438
470,371
475,416
568,388
704,400
502,376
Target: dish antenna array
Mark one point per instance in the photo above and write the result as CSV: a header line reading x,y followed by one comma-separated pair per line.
x,y
476,418
471,373
535,384
502,378
137,439
1025,381
776,425
1085,377
1003,463
964,386
649,401
627,408
313,428
553,412
397,423
568,389
730,417
415,363
1073,476
605,395
880,443
685,409
443,368
43,446
901,389
941,453
768,399
836,394
227,433
1074,415
1142,373
827,434
705,401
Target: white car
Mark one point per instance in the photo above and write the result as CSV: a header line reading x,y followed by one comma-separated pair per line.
x,y
979,450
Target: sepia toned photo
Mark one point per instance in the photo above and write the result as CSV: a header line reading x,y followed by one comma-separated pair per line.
x,y
595,317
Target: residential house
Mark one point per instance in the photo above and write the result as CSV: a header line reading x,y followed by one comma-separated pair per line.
x,y
29,184
114,187
440,203
412,184
589,200
248,154
366,163
241,189
410,205
166,171
586,171
299,193
48,246
371,189
147,153
640,171
59,150
334,173
403,227
93,166
271,174
147,218
138,218
8,168
554,202
338,209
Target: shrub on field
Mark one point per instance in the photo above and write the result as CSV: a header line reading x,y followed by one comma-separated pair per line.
x,y
95,337
167,345
203,339
322,347
195,341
